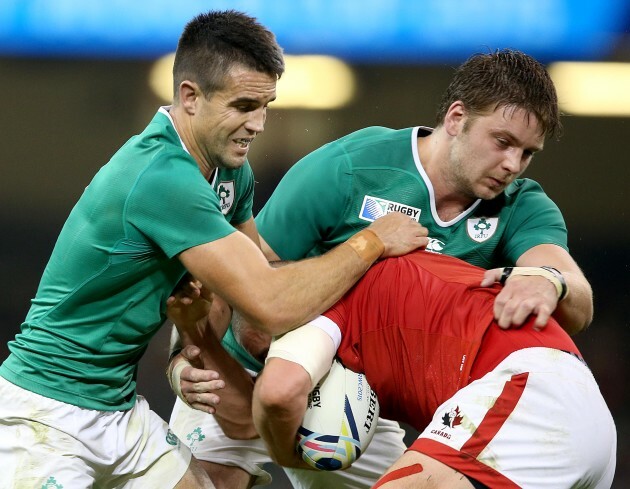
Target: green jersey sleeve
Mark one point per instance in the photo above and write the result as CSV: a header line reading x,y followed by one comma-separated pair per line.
x,y
535,220
175,207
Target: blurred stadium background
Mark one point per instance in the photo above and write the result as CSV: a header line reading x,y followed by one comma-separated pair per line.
x,y
80,77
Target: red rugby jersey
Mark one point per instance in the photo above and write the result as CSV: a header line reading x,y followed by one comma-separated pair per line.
x,y
417,327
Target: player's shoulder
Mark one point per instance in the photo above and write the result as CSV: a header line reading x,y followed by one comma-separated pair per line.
x,y
523,186
158,141
524,194
373,148
371,136
155,156
362,147
527,193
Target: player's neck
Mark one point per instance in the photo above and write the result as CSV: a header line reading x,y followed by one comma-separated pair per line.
x,y
449,199
182,126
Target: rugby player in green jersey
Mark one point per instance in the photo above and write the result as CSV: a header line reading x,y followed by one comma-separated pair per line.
x,y
173,199
461,181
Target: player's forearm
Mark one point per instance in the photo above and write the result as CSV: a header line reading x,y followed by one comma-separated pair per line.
x,y
280,299
233,412
275,300
278,428
300,291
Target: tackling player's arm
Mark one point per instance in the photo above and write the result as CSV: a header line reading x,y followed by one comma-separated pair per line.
x,y
276,300
524,295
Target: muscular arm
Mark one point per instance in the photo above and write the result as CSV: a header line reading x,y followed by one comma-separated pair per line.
x,y
276,300
524,295
281,392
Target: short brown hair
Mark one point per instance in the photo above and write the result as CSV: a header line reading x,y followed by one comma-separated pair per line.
x,y
213,42
504,78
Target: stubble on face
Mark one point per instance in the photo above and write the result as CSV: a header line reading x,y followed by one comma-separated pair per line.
x,y
459,168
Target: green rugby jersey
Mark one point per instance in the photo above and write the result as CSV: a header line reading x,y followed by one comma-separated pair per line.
x,y
343,186
102,295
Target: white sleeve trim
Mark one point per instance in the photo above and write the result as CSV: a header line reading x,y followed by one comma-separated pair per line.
x,y
330,327
313,346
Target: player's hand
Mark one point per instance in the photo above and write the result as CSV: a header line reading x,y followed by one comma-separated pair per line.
x,y
399,233
197,312
198,387
521,297
189,303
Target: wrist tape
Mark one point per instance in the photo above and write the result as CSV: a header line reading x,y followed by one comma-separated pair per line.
x,y
550,273
367,245
174,378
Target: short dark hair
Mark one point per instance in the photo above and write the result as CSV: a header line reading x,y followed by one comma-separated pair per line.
x,y
213,42
506,78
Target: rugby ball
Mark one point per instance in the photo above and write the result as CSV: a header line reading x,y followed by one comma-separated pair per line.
x,y
340,420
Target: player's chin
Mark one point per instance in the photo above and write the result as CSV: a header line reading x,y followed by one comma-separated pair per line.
x,y
234,162
488,193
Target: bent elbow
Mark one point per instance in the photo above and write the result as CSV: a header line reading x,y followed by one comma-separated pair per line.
x,y
273,396
582,325
574,320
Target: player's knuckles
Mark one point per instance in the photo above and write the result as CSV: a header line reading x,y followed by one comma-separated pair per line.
x,y
208,386
507,303
520,315
199,375
544,313
504,321
505,295
203,399
190,352
186,386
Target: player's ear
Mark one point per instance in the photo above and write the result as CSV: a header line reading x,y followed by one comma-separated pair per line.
x,y
455,118
189,94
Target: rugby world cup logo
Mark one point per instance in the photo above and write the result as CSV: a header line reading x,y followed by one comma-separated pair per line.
x,y
375,207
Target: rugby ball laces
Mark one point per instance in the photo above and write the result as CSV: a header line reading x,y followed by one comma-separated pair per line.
x,y
340,420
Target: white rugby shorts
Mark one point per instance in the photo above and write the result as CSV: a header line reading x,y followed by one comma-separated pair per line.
x,y
206,440
538,421
47,443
